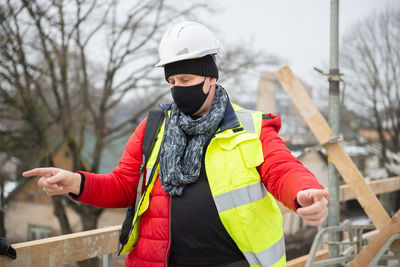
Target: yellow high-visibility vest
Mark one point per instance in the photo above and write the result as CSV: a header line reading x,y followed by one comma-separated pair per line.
x,y
247,210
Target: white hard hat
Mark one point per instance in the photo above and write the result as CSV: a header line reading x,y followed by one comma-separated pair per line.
x,y
187,40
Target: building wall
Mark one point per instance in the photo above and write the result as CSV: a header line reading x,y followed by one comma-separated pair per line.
x,y
266,93
31,193
63,158
292,223
272,98
21,214
317,165
111,217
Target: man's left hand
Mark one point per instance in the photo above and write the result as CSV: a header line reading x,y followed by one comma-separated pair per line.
x,y
314,205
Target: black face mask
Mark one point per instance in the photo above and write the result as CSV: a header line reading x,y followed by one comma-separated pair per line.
x,y
189,99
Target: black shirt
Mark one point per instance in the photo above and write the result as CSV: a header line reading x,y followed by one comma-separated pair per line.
x,y
197,233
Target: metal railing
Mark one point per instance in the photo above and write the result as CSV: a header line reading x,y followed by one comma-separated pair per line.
x,y
349,247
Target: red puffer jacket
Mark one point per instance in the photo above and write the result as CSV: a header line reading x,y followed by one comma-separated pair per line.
x,y
282,174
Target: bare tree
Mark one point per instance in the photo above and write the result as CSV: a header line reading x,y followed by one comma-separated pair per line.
x,y
371,61
66,65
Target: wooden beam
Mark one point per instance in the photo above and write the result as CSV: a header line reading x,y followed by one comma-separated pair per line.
x,y
301,261
335,150
372,248
378,187
63,249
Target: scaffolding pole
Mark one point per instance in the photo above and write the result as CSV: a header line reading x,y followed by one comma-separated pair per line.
x,y
334,121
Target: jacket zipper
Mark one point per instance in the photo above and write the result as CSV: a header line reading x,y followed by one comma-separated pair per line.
x,y
169,231
170,199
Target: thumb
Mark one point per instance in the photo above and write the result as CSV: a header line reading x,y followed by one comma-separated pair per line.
x,y
304,198
59,177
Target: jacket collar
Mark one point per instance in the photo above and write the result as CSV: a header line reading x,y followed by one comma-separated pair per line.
x,y
230,119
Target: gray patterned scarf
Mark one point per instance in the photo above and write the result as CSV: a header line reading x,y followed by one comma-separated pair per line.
x,y
180,159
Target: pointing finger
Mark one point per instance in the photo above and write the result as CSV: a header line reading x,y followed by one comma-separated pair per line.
x,y
39,172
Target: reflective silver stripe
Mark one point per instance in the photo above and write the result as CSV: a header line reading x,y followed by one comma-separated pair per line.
x,y
246,119
139,192
148,172
241,196
267,257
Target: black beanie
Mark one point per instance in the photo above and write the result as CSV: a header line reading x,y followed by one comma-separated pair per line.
x,y
204,66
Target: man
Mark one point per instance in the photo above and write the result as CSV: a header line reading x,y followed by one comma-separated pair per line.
x,y
220,168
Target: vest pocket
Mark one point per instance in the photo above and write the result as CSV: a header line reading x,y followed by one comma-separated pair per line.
x,y
252,154
242,161
231,162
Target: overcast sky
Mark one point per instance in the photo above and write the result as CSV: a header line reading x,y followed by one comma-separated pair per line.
x,y
297,31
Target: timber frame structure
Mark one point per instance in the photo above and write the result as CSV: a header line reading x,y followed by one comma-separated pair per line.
x,y
344,165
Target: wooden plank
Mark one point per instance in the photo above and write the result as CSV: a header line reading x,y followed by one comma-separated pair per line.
x,y
372,248
335,151
301,261
378,187
63,249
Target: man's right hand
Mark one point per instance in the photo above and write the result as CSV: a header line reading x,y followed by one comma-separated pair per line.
x,y
56,181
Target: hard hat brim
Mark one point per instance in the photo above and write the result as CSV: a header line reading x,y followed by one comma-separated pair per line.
x,y
193,55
